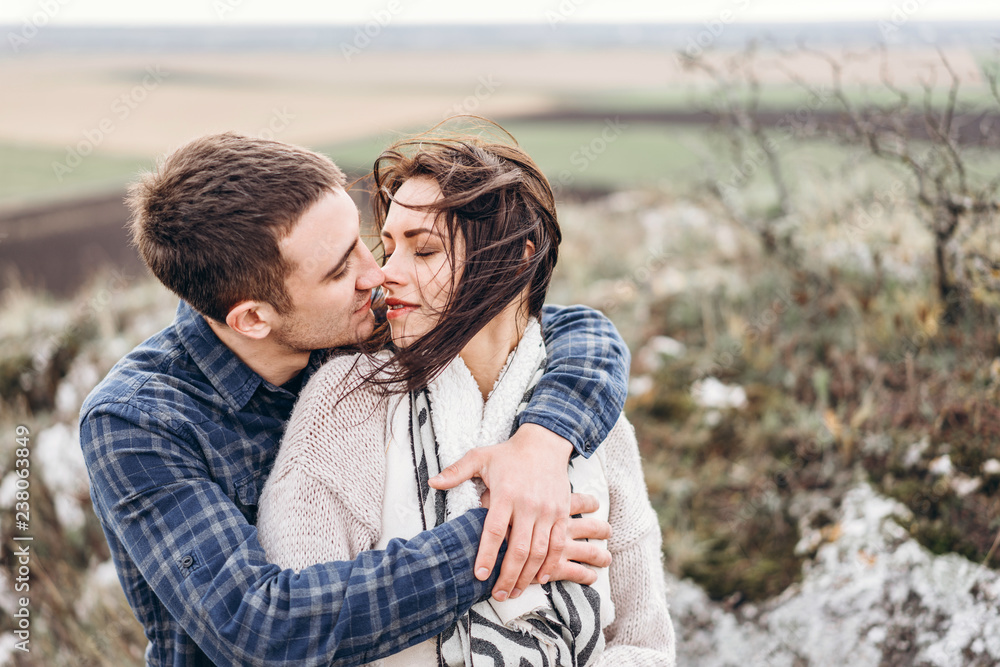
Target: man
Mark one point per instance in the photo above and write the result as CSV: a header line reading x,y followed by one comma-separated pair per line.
x,y
261,242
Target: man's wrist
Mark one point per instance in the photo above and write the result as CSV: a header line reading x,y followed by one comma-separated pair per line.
x,y
542,427
552,442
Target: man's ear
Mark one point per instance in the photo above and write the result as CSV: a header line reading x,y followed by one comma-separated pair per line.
x,y
253,319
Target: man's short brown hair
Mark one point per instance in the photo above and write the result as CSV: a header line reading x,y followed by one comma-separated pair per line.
x,y
208,221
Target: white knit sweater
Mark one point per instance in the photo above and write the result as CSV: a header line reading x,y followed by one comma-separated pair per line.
x,y
324,499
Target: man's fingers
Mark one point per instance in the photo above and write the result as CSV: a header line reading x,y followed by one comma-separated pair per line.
x,y
582,503
465,468
588,528
518,552
588,553
494,533
557,544
541,547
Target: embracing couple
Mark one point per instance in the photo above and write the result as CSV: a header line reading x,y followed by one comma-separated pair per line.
x,y
282,481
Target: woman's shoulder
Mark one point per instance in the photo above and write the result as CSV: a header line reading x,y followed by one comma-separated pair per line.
x,y
339,412
344,367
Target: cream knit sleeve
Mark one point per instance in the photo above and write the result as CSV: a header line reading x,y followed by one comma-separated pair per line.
x,y
642,633
323,498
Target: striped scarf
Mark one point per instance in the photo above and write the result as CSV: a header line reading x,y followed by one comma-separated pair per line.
x,y
562,623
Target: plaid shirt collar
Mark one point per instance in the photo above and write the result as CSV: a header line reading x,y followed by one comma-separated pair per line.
x,y
232,378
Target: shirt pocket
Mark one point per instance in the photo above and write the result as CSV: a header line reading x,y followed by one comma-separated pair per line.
x,y
247,495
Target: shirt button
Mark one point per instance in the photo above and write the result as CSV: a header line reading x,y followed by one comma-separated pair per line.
x,y
187,561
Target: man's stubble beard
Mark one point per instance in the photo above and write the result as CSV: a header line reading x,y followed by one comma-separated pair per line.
x,y
296,336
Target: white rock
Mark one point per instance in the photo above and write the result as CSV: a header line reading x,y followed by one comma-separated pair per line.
x,y
858,596
876,635
8,489
640,385
8,646
651,355
941,466
58,459
8,598
915,452
100,589
69,512
963,485
991,467
711,393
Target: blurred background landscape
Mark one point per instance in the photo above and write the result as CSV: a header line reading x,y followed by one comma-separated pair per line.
x,y
793,225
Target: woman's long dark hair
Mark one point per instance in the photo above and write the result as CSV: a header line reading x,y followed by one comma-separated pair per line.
x,y
496,199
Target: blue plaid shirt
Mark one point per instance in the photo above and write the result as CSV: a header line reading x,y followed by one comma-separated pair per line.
x,y
179,438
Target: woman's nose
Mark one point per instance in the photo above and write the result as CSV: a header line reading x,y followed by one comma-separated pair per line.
x,y
392,271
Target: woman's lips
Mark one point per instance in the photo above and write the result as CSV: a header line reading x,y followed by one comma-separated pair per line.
x,y
397,308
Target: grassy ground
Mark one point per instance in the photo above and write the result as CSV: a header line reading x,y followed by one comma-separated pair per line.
x,y
27,173
597,154
586,154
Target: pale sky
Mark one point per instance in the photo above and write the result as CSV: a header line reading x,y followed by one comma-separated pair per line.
x,y
216,12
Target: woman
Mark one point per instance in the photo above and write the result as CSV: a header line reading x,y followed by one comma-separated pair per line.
x,y
471,239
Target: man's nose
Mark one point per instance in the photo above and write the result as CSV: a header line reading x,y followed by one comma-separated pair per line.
x,y
371,276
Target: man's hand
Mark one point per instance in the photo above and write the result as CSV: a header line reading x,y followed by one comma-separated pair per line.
x,y
529,481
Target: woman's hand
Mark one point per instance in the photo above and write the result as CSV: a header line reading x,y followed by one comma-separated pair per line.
x,y
579,552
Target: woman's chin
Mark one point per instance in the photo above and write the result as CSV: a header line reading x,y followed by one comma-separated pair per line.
x,y
403,335
398,338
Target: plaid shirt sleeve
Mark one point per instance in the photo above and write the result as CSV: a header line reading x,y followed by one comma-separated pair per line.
x,y
203,560
583,389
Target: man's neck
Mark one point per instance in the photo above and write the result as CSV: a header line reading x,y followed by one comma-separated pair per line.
x,y
275,363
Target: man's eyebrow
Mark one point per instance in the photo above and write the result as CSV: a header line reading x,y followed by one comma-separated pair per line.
x,y
413,232
336,268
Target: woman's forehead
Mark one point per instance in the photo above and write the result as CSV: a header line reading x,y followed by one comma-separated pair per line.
x,y
401,219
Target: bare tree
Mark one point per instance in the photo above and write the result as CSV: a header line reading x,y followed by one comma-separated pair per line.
x,y
941,145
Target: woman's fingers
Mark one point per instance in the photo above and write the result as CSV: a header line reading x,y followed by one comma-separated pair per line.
x,y
575,572
588,553
588,528
582,503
